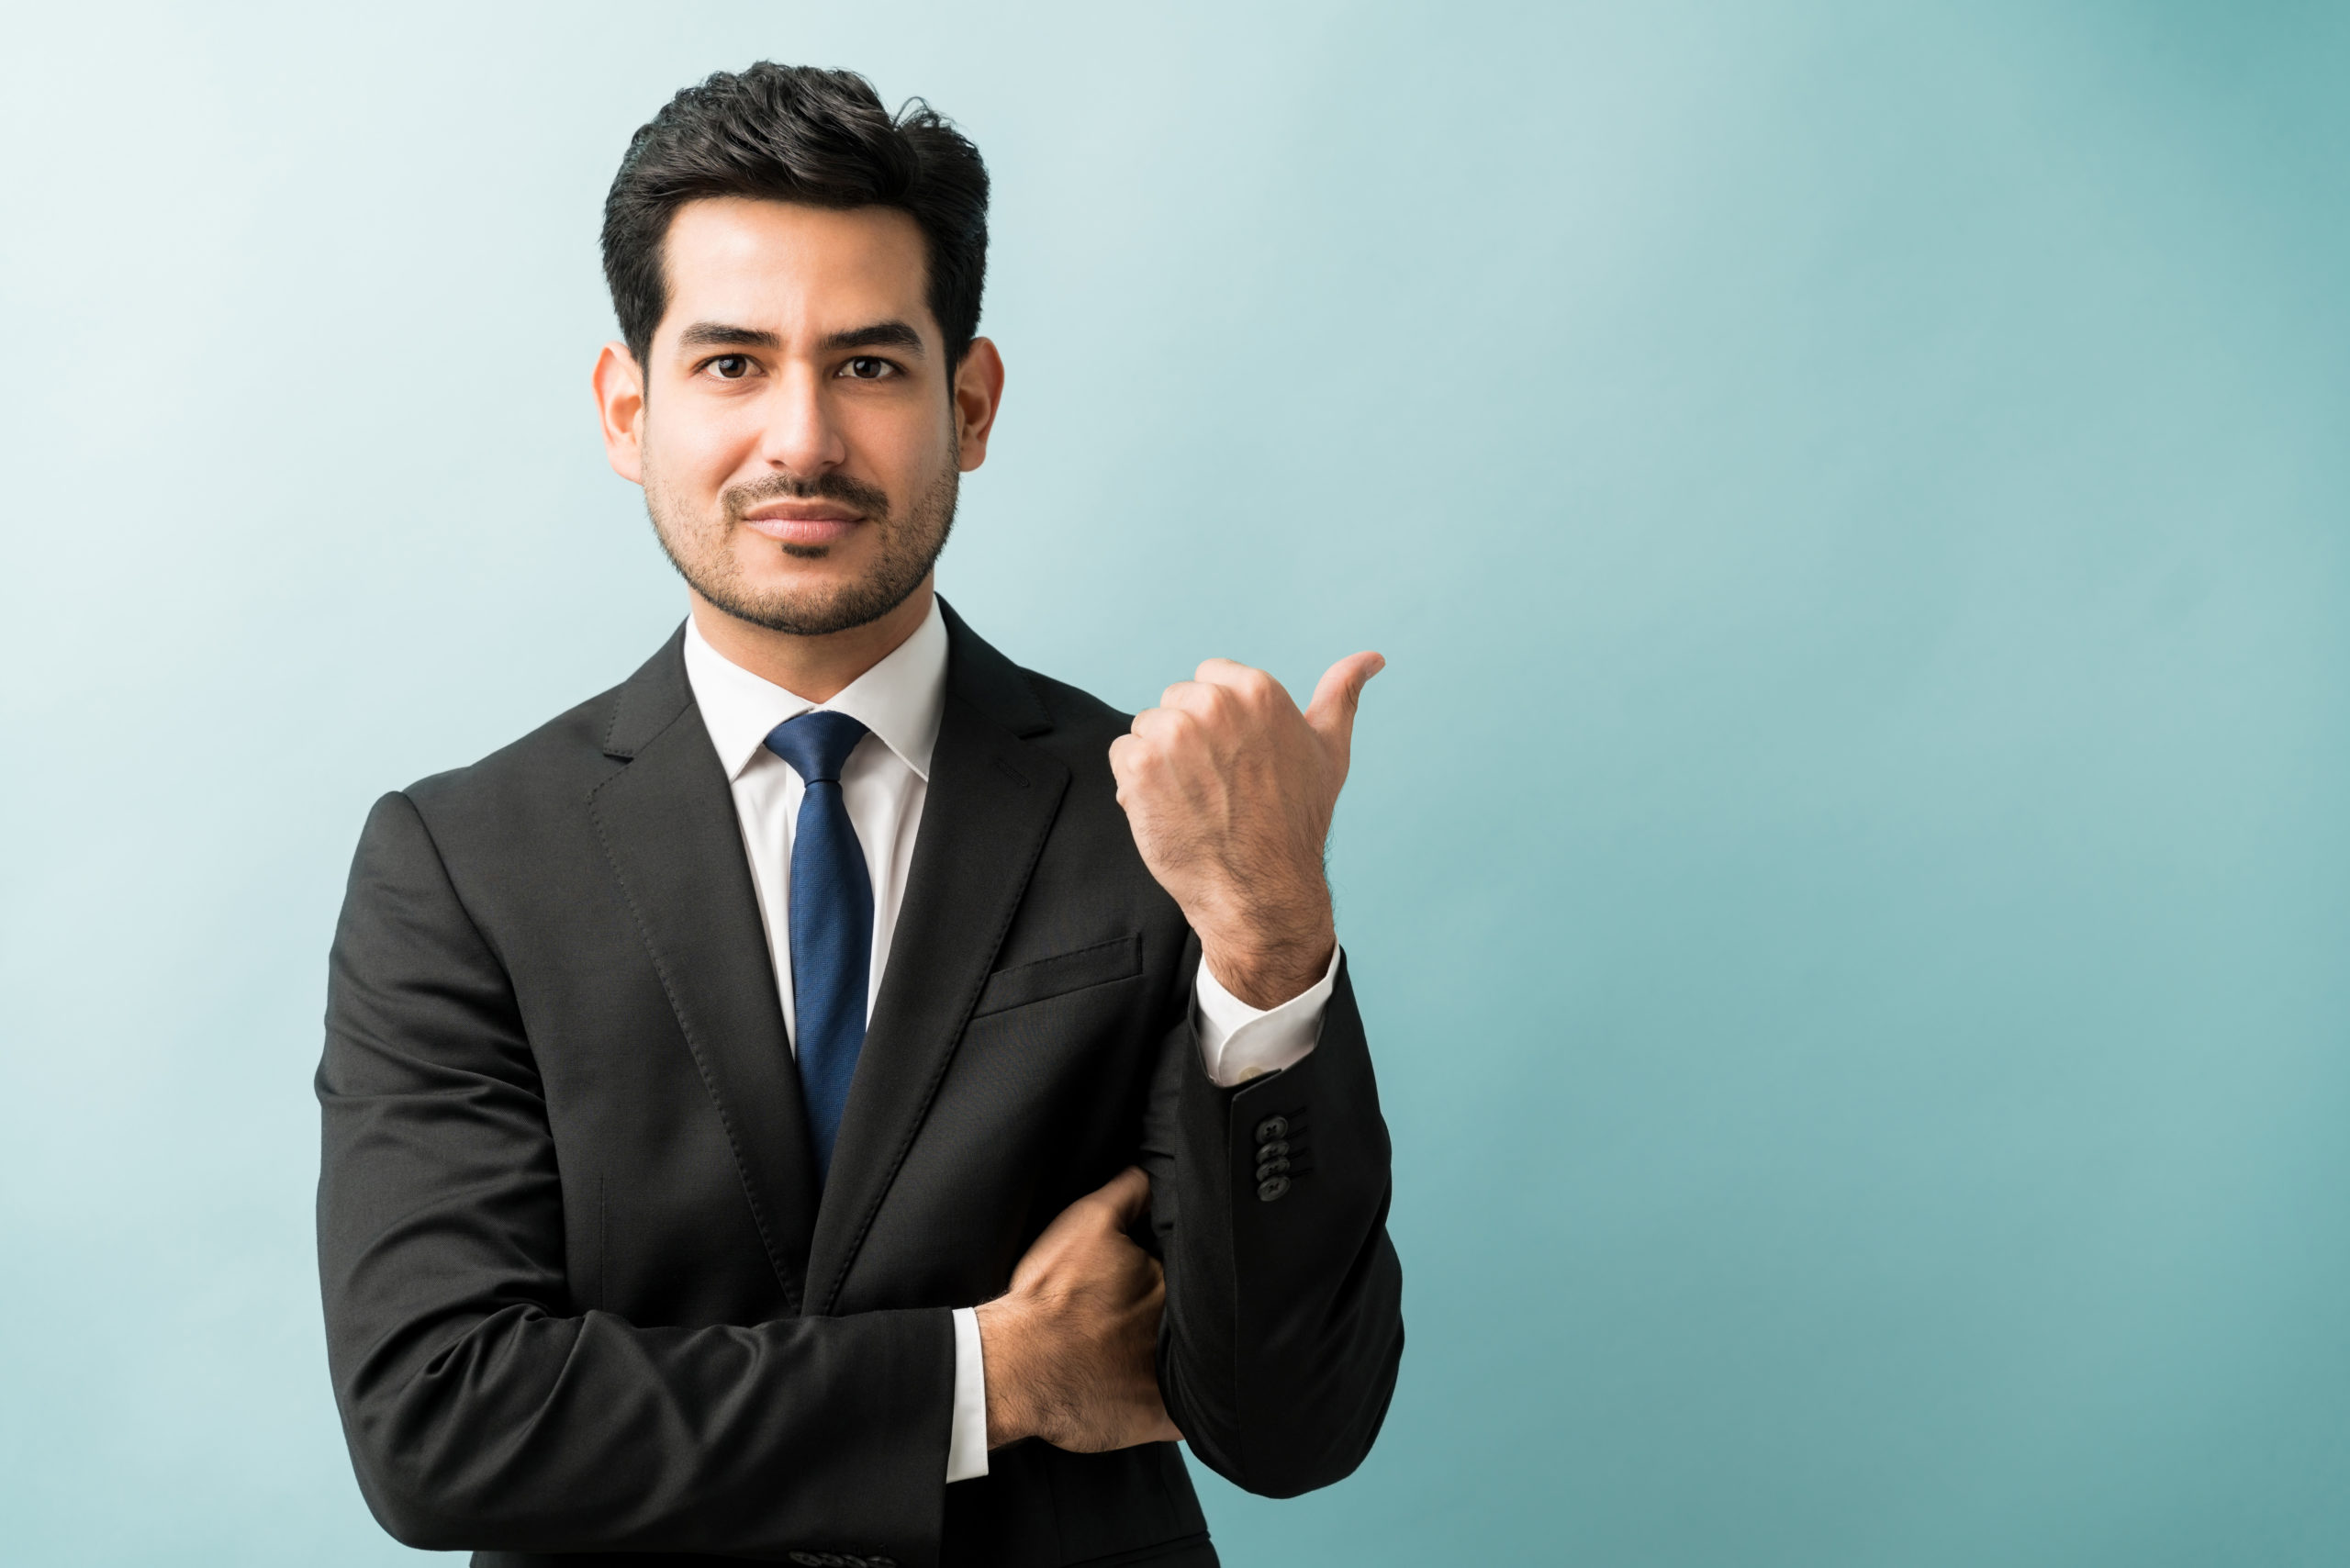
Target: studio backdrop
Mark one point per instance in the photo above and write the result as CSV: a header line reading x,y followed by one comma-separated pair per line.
x,y
1848,869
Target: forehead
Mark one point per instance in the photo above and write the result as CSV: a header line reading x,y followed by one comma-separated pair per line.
x,y
790,269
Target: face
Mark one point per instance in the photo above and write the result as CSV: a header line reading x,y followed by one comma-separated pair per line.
x,y
795,425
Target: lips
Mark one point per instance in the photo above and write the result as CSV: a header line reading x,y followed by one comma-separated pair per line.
x,y
803,525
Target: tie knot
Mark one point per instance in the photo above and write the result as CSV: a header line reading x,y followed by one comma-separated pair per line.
x,y
816,744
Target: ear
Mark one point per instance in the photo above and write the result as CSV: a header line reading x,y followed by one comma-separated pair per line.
x,y
619,403
979,392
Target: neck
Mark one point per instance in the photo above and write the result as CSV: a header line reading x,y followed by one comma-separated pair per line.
x,y
813,668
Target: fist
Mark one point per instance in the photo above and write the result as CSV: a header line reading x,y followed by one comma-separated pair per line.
x,y
1229,791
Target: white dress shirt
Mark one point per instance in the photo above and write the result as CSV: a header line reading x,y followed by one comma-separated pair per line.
x,y
883,785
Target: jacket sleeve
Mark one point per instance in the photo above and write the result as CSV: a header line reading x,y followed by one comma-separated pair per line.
x,y
1285,1330
481,1410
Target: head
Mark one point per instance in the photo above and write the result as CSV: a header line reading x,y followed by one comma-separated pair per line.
x,y
797,273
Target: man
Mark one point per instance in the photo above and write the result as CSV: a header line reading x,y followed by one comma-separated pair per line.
x,y
839,1097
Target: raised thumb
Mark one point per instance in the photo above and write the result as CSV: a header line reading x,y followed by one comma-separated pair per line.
x,y
1340,692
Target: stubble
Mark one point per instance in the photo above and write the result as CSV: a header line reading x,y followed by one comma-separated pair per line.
x,y
701,547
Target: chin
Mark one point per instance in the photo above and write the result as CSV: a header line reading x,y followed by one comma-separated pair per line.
x,y
822,586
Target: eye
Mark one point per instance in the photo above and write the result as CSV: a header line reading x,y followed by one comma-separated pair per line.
x,y
868,367
732,366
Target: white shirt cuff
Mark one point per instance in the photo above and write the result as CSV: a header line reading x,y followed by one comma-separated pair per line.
x,y
1238,1042
966,1436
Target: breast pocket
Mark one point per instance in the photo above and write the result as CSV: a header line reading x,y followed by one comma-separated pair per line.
x,y
1060,974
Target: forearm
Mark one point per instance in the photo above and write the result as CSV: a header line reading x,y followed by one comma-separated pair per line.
x,y
484,1410
525,1431
1283,1327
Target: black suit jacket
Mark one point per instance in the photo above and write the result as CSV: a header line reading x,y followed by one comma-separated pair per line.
x,y
583,1292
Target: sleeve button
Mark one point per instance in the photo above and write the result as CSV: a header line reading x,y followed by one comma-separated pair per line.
x,y
1272,1128
1271,1188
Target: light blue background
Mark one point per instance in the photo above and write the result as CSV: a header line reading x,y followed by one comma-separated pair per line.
x,y
1848,869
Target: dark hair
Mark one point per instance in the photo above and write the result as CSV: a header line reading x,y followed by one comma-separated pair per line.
x,y
798,133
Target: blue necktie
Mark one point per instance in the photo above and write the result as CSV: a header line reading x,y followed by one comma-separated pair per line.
x,y
831,920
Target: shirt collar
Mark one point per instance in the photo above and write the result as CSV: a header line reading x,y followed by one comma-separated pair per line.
x,y
900,698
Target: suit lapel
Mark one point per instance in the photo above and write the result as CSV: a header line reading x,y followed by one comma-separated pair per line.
x,y
668,824
990,801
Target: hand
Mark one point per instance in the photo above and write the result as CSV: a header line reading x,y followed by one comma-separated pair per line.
x,y
1229,791
1072,1350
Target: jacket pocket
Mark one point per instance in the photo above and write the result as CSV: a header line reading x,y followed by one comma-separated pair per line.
x,y
1060,974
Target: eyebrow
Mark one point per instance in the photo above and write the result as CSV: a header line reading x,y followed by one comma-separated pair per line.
x,y
879,335
718,334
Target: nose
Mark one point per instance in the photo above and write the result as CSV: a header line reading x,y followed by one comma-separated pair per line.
x,y
800,437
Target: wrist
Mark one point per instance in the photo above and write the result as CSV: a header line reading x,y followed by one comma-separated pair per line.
x,y
1003,1349
1265,972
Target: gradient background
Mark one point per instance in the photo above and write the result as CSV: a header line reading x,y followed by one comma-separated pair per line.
x,y
1848,869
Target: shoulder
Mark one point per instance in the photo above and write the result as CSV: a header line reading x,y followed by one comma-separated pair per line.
x,y
1050,714
564,751
1076,712
567,757
1076,730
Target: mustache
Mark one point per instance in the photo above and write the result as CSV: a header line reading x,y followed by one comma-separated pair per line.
x,y
870,499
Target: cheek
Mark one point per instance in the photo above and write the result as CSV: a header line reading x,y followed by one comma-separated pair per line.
x,y
904,447
694,455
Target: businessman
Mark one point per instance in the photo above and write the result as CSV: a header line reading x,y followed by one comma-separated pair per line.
x,y
839,1097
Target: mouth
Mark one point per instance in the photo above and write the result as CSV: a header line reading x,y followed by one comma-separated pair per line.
x,y
804,522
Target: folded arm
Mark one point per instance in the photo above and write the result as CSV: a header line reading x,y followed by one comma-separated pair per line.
x,y
481,1409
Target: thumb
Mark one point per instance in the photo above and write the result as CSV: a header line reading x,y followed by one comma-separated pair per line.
x,y
1336,694
1127,1193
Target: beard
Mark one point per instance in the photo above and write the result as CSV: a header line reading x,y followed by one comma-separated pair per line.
x,y
702,548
